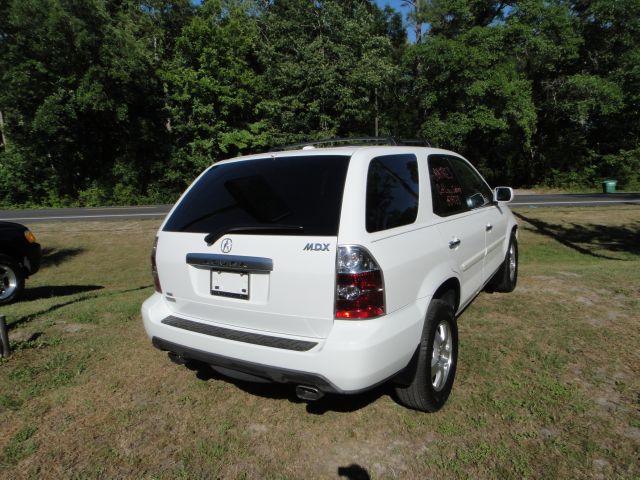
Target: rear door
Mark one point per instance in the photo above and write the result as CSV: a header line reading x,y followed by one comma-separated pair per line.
x,y
252,245
461,226
479,196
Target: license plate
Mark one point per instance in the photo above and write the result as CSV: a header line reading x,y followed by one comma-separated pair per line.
x,y
230,284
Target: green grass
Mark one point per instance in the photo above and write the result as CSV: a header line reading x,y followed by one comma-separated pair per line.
x,y
548,380
21,445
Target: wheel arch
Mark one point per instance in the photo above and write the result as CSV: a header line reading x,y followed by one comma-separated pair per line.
x,y
512,230
449,291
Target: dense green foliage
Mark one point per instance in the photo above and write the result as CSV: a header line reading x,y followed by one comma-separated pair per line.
x,y
125,101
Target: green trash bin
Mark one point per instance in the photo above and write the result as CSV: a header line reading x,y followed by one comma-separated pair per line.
x,y
609,186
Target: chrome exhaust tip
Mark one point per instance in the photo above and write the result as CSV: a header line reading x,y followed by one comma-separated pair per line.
x,y
308,393
176,358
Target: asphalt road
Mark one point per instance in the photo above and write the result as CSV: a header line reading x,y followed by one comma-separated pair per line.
x,y
84,214
576,200
159,211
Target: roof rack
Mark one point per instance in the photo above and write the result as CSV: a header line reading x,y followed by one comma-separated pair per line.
x,y
396,142
414,142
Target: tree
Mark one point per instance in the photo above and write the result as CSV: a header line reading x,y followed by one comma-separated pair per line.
x,y
214,86
324,62
416,15
81,101
124,101
468,91
563,48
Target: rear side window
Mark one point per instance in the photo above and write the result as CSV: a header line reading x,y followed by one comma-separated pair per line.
x,y
271,194
446,189
477,192
455,186
392,192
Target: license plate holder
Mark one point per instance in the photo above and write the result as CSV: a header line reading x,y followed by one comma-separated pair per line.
x,y
230,284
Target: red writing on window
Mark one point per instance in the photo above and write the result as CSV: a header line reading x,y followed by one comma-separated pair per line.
x,y
442,173
453,200
449,190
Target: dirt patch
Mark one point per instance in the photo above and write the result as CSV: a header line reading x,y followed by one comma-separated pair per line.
x,y
585,301
22,335
633,433
569,274
383,458
548,433
75,327
601,468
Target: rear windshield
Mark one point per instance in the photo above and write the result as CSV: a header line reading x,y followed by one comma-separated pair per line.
x,y
285,196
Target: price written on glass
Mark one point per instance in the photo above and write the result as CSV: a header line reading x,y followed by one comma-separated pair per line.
x,y
451,193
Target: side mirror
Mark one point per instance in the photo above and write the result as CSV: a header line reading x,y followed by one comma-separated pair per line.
x,y
503,194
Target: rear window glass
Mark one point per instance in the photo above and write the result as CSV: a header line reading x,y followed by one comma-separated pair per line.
x,y
392,192
274,195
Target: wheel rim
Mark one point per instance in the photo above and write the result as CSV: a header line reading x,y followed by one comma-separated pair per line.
x,y
8,282
442,356
512,262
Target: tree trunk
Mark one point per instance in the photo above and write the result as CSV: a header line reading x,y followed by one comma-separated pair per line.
x,y
418,22
3,139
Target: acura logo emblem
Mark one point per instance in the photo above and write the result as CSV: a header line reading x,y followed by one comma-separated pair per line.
x,y
226,245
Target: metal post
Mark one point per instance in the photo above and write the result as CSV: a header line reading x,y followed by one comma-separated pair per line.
x,y
5,349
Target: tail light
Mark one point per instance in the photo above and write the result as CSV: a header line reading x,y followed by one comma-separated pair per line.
x,y
154,267
359,284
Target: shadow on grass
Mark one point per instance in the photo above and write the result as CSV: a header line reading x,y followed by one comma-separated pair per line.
x,y
587,238
280,391
353,472
49,291
55,256
57,306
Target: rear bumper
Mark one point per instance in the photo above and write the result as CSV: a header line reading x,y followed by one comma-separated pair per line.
x,y
279,375
356,355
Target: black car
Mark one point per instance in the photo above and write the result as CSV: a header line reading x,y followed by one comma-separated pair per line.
x,y
19,258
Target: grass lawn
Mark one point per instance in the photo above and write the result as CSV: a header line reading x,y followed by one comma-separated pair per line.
x,y
548,382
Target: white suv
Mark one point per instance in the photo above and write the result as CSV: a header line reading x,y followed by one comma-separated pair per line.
x,y
334,269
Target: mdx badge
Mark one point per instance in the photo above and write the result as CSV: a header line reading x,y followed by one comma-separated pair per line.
x,y
226,245
317,247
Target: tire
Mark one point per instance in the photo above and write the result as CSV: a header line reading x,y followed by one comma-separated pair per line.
x,y
11,279
430,384
506,277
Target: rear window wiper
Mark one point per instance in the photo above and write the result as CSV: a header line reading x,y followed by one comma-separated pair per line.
x,y
214,236
213,213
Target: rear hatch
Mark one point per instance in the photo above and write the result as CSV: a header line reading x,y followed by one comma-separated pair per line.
x,y
252,245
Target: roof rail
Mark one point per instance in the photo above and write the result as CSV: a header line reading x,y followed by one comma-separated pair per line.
x,y
417,142
355,141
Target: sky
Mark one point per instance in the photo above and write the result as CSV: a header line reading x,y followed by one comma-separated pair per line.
x,y
397,5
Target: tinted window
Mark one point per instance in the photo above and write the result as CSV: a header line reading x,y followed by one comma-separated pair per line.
x,y
446,189
477,193
267,193
392,192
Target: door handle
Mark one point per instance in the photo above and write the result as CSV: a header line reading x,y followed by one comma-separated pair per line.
x,y
489,227
455,242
